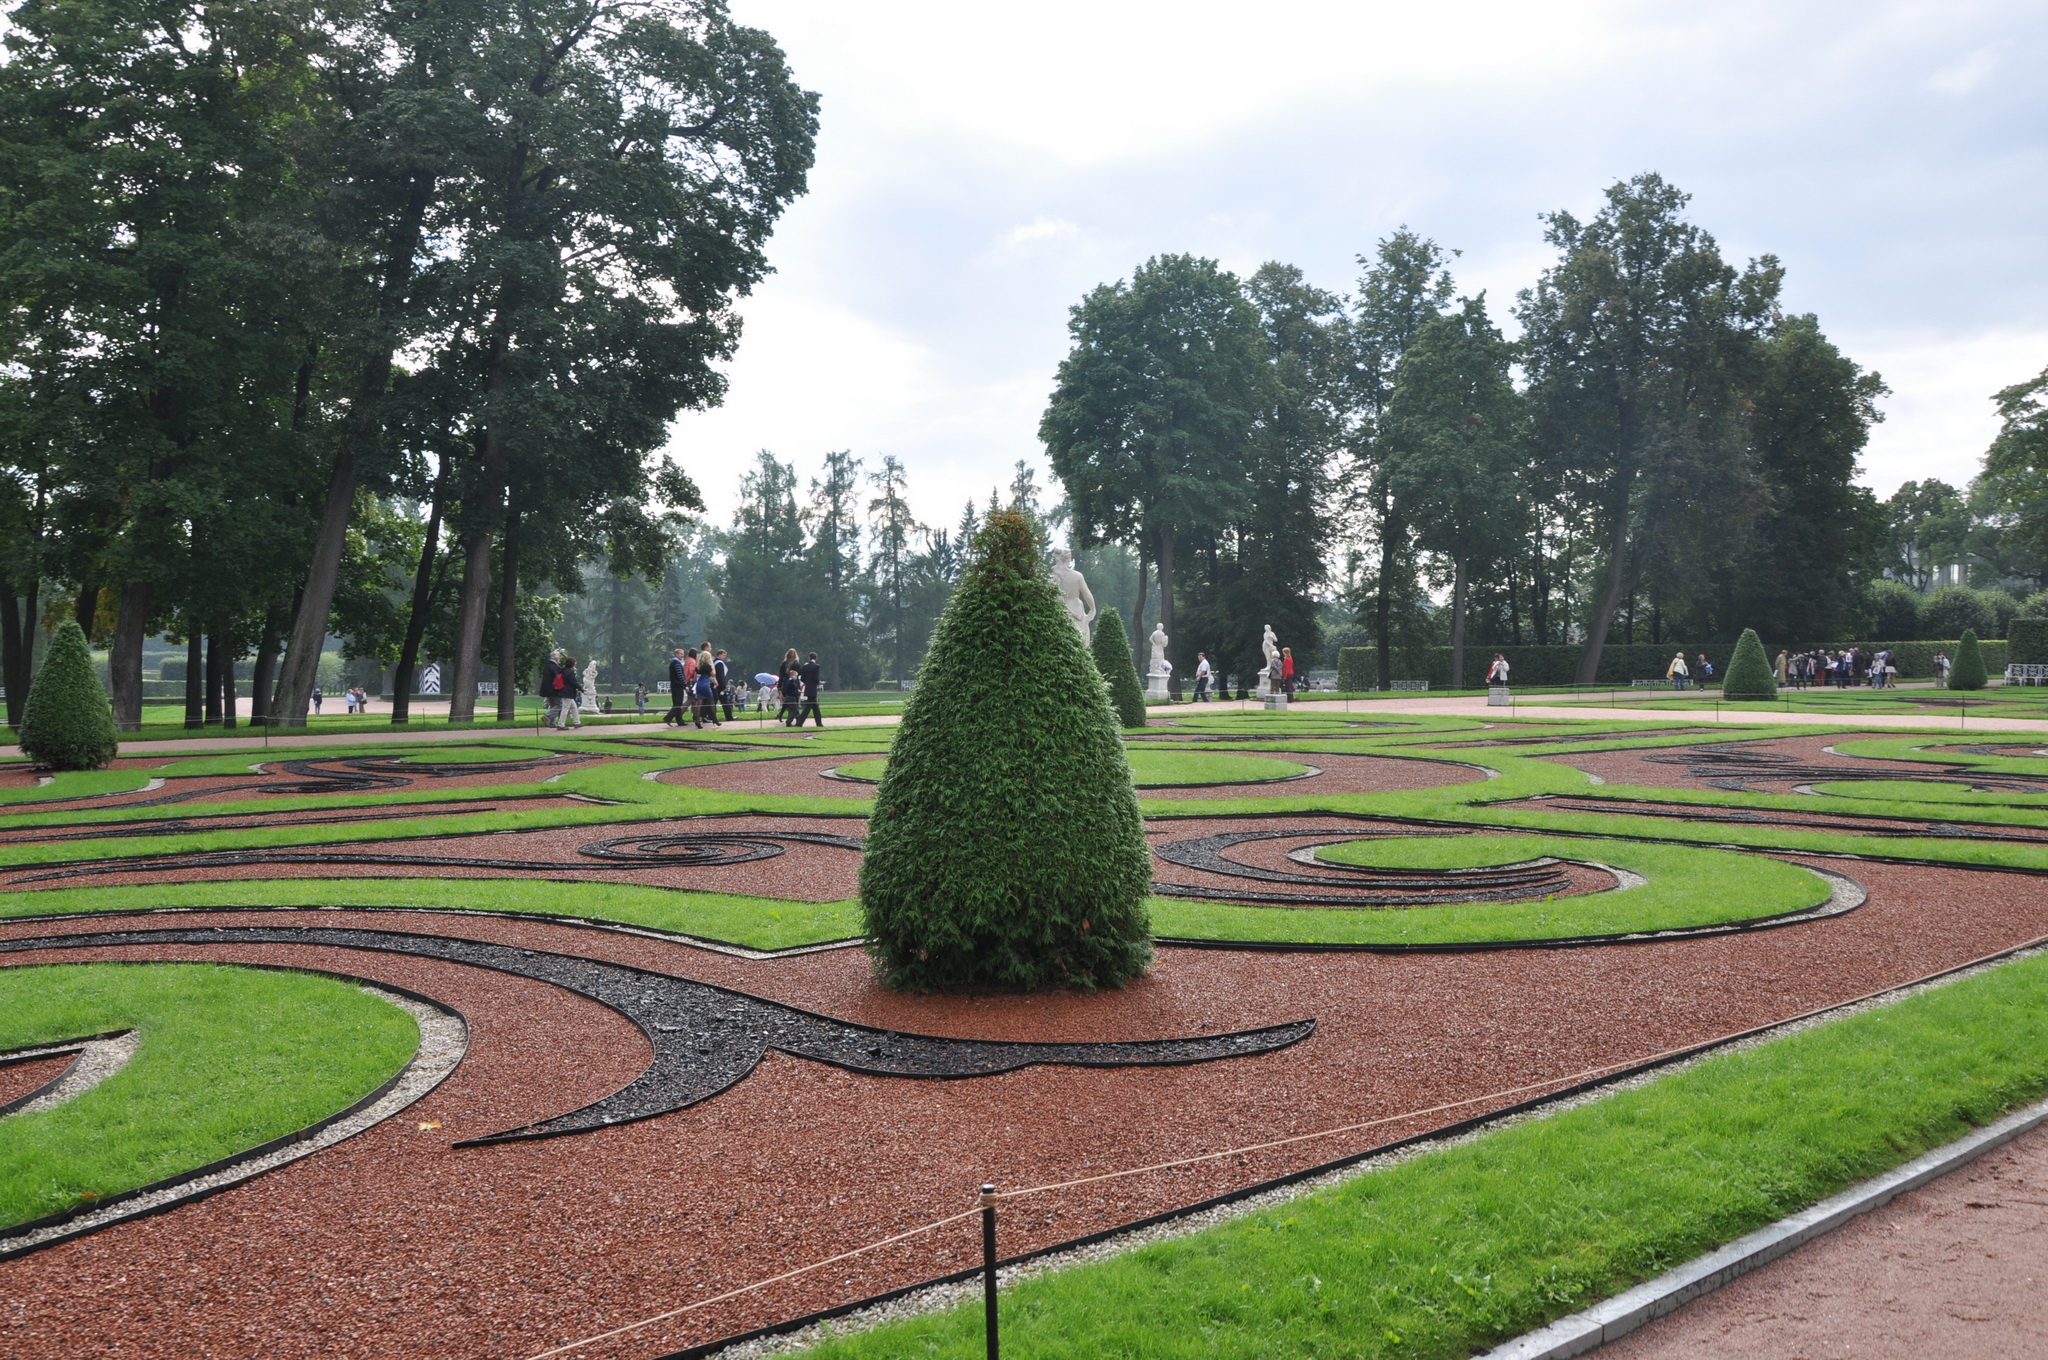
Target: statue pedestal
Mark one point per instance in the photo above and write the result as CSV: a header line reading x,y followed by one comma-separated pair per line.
x,y
1265,689
1155,686
1277,702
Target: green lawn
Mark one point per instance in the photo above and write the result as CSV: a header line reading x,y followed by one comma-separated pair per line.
x,y
1464,1247
229,1058
1162,769
1686,887
755,922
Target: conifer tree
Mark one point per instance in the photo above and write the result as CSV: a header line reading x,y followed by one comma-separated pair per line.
x,y
1005,850
67,723
1119,669
1967,671
1749,672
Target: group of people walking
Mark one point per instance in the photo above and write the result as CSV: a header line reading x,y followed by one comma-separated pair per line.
x,y
700,684
1680,675
796,683
1842,669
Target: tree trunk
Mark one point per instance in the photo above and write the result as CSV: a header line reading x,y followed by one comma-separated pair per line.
x,y
261,689
1616,578
215,655
402,678
124,659
363,429
508,626
467,663
88,607
227,686
195,682
1138,619
17,646
464,666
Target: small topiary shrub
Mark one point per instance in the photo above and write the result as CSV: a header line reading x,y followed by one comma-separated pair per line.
x,y
67,724
1113,658
1749,671
1967,670
1005,850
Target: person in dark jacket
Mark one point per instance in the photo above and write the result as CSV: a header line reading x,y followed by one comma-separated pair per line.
x,y
811,677
571,692
550,693
678,691
721,679
789,687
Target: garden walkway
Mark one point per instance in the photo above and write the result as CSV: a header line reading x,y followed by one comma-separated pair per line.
x,y
1955,1269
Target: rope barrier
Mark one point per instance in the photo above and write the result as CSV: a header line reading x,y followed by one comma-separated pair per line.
x,y
989,1196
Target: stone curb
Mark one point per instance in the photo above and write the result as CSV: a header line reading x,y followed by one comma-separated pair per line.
x,y
1622,1314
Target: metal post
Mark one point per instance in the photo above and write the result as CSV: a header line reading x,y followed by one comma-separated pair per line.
x,y
988,1267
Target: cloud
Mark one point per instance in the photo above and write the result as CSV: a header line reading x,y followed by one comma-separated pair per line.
x,y
1040,229
925,282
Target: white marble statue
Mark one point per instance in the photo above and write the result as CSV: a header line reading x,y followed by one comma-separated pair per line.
x,y
1269,677
1074,591
1161,670
588,703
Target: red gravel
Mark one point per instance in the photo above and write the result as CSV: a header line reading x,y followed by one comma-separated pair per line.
x,y
799,776
1956,1269
1635,767
392,1244
1340,774
18,1079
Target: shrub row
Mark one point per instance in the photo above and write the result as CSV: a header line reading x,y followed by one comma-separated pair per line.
x,y
1535,667
2027,640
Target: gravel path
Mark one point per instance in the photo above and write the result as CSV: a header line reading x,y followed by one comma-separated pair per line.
x,y
1957,1269
394,1243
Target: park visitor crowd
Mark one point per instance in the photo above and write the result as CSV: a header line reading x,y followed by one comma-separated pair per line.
x,y
1848,667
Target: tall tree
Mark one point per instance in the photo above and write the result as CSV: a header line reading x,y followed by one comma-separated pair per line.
x,y
2018,460
1634,344
1451,437
762,585
1801,568
834,557
1404,286
1156,407
1264,562
890,565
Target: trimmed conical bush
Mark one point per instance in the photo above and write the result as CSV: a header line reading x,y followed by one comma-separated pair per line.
x,y
1113,658
67,723
1967,670
1749,671
1005,850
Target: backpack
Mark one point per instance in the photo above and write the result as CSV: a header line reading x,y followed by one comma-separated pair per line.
x,y
559,686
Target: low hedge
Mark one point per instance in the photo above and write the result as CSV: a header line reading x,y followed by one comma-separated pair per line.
x,y
1541,667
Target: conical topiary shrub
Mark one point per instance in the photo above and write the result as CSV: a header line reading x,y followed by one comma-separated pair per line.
x,y
1113,658
67,723
1005,850
1749,671
1967,670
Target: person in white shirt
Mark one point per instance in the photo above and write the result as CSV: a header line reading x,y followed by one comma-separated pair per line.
x,y
1202,674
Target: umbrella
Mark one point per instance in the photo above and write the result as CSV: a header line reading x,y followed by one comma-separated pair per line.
x,y
764,678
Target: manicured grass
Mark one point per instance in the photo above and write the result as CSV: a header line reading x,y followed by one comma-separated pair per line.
x,y
1686,887
76,784
756,922
1922,791
229,1058
1162,769
1465,1247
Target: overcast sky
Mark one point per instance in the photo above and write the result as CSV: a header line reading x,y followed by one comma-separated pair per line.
x,y
981,167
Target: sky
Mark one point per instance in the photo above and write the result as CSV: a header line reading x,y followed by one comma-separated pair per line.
x,y
980,168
